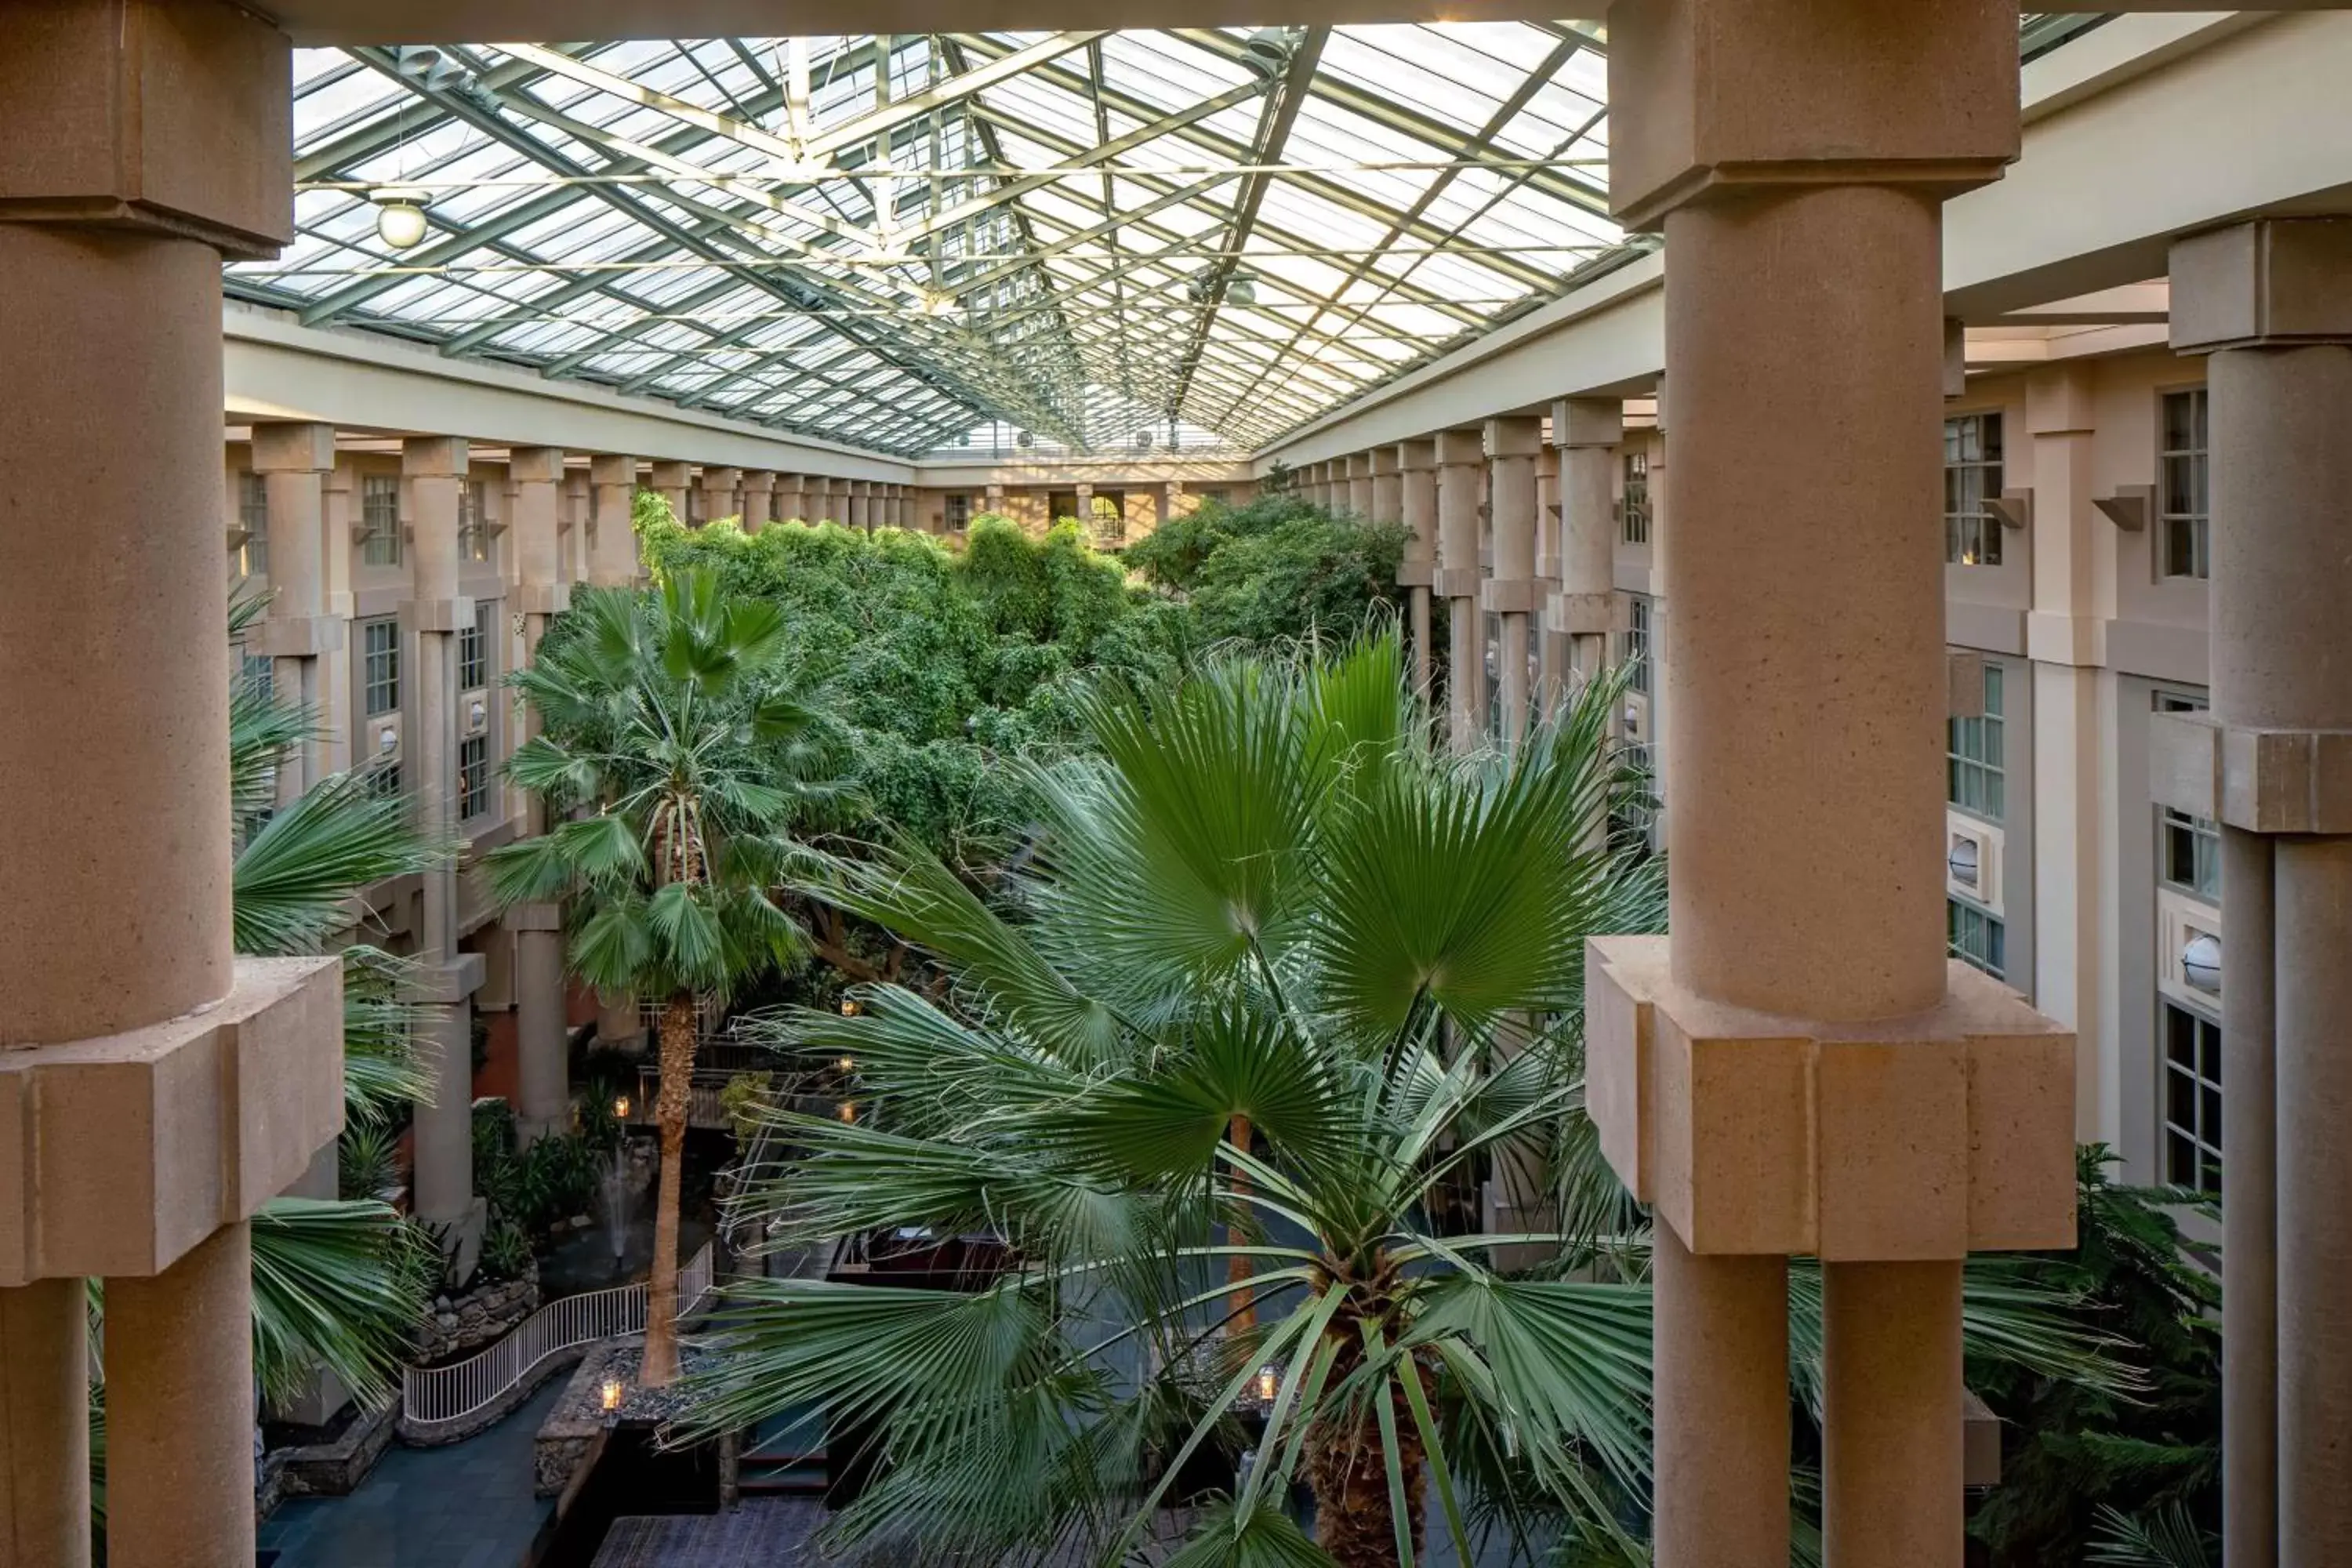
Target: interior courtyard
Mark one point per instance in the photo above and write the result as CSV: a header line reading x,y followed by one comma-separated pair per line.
x,y
1266,782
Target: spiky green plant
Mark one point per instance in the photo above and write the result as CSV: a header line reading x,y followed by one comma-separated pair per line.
x,y
675,755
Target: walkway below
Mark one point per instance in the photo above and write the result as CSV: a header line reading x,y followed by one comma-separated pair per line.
x,y
465,1506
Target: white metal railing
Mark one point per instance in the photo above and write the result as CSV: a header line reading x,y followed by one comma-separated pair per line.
x,y
441,1396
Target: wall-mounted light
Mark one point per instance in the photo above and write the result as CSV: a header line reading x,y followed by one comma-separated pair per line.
x,y
609,1394
477,714
620,1108
400,213
1265,1385
1963,862
2200,962
387,741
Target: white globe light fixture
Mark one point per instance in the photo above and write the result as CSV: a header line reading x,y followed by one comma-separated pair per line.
x,y
2201,963
400,215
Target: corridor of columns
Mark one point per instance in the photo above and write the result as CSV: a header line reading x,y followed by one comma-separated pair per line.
x,y
1010,397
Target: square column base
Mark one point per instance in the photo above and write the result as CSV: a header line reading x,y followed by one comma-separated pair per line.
x,y
1896,1140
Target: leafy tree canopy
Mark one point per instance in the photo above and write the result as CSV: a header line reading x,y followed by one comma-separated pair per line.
x,y
938,668
1278,569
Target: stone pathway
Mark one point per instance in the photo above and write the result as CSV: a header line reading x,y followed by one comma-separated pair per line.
x,y
465,1506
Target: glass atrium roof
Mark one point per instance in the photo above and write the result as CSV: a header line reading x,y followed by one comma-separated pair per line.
x,y
1080,241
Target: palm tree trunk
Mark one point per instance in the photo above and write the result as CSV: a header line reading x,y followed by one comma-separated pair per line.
x,y
1347,1469
679,1025
1243,1303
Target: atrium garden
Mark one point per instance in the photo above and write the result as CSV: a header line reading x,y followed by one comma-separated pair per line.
x,y
1308,784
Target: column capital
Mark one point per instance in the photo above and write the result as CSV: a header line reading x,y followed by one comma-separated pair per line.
x,y
1460,448
165,119
1513,436
1360,465
672,476
2263,780
611,468
1416,456
1703,102
535,465
1588,422
2062,399
1385,462
2273,282
724,479
1915,1138
434,456
759,480
305,448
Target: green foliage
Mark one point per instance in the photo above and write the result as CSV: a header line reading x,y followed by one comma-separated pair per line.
x,y
678,754
339,1285
367,1162
533,1187
2081,1455
938,668
506,1250
1278,569
2169,1537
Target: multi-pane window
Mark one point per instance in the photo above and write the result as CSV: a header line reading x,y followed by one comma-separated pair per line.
x,y
2192,1099
379,667
1975,760
258,671
1637,645
473,520
959,511
2189,848
1108,516
1635,508
1976,937
252,520
379,518
473,777
1972,477
473,646
2188,543
1216,498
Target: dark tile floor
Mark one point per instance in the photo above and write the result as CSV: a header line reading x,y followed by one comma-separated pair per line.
x,y
465,1506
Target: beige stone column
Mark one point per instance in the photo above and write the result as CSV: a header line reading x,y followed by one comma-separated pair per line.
x,y
572,527
1417,510
338,510
613,537
671,481
1586,432
759,500
1460,459
179,1410
2270,303
1388,488
542,1102
435,467
996,500
1510,592
1818,1079
1552,650
133,1148
721,493
792,498
294,460
1360,484
44,1425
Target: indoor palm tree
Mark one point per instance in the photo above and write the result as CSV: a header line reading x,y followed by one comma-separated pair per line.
x,y
674,757
1266,899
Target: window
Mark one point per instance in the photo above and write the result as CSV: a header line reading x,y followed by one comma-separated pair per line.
x,y
1108,516
1974,763
1637,646
473,522
380,517
1976,938
2187,524
1635,508
959,511
1060,504
383,778
1972,477
2192,1099
473,646
258,671
379,666
253,517
1216,498
2188,848
473,777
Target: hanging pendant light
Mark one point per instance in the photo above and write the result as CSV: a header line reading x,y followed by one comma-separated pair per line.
x,y
400,213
